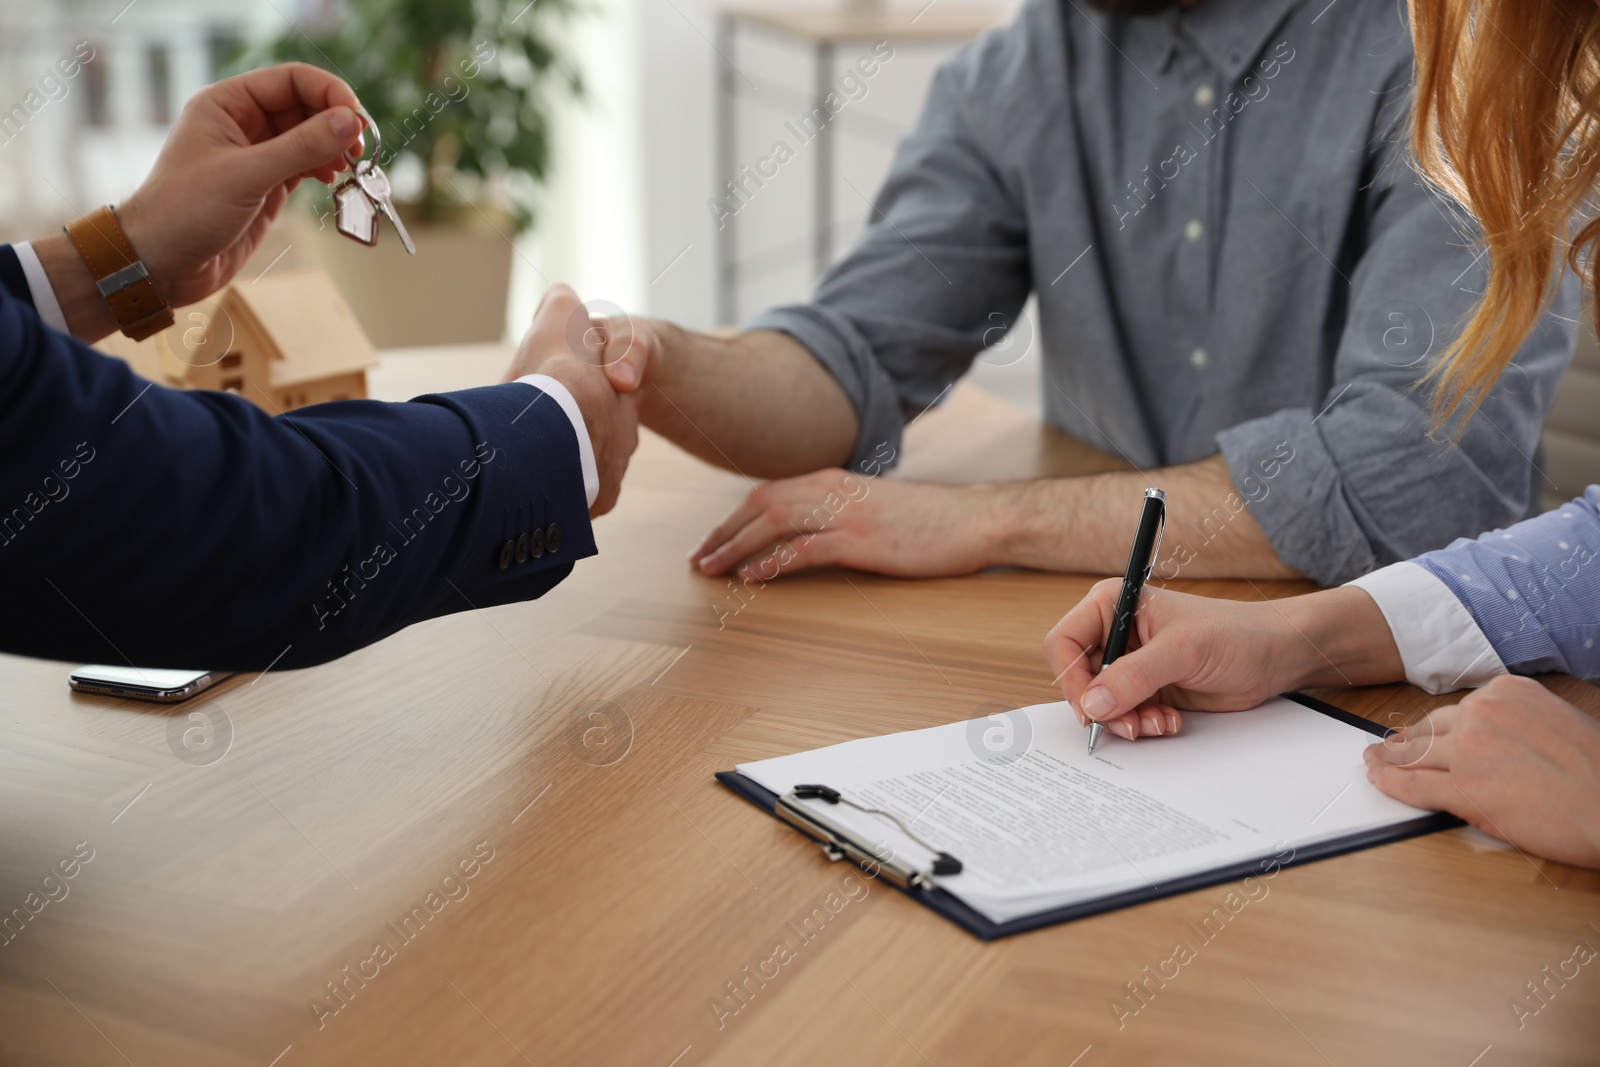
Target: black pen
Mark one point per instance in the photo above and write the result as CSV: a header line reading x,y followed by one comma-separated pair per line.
x,y
1146,543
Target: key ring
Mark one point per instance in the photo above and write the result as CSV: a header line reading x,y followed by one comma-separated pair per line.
x,y
377,142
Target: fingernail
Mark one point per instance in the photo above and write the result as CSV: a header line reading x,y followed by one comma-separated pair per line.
x,y
1369,753
1157,723
344,123
1098,703
626,373
1125,728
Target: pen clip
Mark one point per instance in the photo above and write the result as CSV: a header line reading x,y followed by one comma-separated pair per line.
x,y
1161,532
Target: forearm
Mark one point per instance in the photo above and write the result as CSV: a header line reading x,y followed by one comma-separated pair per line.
x,y
324,534
758,403
1334,637
1086,524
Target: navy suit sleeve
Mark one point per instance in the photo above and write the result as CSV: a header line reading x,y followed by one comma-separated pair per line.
x,y
167,528
12,280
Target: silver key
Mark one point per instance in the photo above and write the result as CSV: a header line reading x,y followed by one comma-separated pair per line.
x,y
366,193
375,183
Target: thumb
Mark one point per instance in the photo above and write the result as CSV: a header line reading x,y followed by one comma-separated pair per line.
x,y
319,141
1132,679
562,324
630,347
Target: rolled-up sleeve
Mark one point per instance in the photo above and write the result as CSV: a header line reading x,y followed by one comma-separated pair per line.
x,y
1367,485
940,272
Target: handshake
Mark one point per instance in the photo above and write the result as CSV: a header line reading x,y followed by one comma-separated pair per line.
x,y
602,362
239,150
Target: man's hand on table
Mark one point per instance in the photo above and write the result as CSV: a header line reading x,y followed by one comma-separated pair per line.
x,y
836,517
238,150
760,404
564,344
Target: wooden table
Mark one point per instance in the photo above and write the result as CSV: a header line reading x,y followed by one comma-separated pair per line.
x,y
563,750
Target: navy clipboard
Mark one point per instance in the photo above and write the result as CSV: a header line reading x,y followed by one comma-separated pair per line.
x,y
986,929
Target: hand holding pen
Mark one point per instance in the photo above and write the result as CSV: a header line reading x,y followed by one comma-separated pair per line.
x,y
1205,654
1141,560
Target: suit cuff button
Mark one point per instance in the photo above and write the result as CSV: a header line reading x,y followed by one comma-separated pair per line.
x,y
552,539
522,549
507,550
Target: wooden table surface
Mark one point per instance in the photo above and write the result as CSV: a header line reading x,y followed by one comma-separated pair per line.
x,y
518,806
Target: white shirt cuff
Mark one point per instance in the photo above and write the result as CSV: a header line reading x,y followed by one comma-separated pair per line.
x,y
39,287
1440,643
558,392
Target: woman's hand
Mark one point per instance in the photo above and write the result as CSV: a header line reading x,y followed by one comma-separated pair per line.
x,y
1512,759
1203,654
238,150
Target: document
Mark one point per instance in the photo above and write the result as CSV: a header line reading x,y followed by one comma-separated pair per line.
x,y
1037,823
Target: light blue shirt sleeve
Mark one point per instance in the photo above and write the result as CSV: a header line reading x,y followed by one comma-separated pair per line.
x,y
1533,588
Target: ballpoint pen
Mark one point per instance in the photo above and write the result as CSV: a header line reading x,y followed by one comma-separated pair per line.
x,y
1146,544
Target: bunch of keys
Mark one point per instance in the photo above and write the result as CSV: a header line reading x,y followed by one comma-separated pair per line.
x,y
360,198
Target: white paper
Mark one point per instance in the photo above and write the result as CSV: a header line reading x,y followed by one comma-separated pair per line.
x,y
1044,824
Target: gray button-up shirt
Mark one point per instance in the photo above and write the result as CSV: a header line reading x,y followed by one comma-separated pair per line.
x,y
1230,251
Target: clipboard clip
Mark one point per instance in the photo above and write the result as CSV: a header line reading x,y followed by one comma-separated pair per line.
x,y
839,843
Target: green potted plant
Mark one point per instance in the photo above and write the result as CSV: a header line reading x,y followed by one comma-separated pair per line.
x,y
461,93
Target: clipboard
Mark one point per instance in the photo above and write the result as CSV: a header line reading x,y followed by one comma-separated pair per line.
x,y
980,926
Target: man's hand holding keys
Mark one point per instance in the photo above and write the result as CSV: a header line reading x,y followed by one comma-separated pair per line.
x,y
238,150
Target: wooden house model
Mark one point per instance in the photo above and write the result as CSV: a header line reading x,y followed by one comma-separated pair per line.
x,y
281,341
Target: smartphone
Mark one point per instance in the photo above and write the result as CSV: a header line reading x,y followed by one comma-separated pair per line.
x,y
143,683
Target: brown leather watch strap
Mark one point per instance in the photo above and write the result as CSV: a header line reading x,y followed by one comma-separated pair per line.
x,y
120,274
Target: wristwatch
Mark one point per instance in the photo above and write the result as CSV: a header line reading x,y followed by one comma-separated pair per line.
x,y
120,274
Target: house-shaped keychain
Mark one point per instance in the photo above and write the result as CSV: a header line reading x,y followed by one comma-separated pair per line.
x,y
355,214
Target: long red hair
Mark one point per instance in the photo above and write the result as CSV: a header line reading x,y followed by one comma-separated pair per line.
x,y
1507,121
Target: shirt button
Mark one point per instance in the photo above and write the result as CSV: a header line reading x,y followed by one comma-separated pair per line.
x,y
1205,96
1197,358
1194,230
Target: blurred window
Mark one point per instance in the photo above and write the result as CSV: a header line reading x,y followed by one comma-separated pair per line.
x,y
96,101
221,46
158,83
